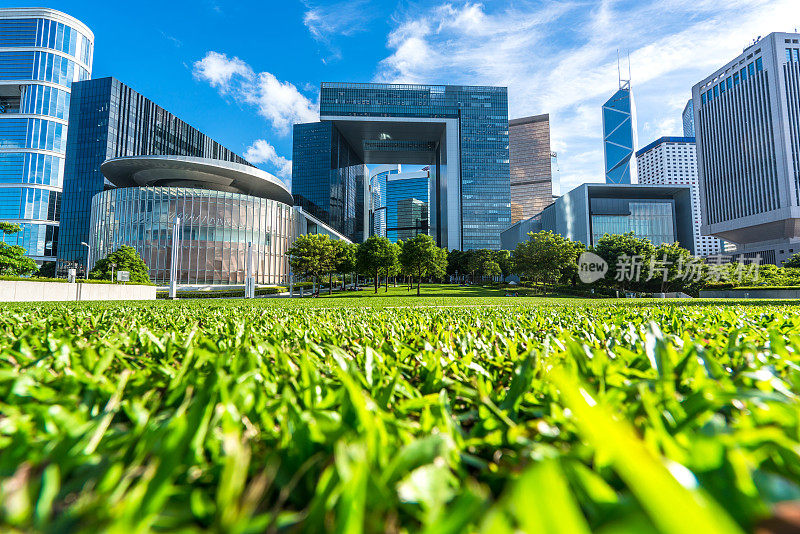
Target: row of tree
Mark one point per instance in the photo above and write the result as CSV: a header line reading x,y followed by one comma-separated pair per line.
x,y
317,255
634,264
478,264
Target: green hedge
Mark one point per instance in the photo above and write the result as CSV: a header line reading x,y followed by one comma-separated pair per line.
x,y
221,293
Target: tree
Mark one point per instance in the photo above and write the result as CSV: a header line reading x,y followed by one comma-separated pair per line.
x,y
503,260
311,255
669,265
374,255
394,268
628,258
345,258
546,257
47,270
9,228
13,260
793,262
491,269
421,257
457,263
125,258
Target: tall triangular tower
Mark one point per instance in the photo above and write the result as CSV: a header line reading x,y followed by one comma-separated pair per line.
x,y
619,133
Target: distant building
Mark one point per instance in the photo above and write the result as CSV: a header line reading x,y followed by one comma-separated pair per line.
x,y
400,202
531,169
111,120
660,213
619,136
747,119
688,119
672,161
377,194
407,205
43,52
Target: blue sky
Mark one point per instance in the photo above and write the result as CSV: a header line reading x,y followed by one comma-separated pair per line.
x,y
244,71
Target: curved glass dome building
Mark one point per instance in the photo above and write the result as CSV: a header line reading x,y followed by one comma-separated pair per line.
x,y
42,52
222,206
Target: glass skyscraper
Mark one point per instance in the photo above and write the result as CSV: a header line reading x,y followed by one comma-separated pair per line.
x,y
688,119
42,52
619,136
460,131
407,205
111,120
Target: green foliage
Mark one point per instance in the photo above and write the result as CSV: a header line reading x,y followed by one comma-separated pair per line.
x,y
793,262
546,257
312,255
375,255
490,268
47,270
125,258
421,257
628,256
8,228
311,415
13,261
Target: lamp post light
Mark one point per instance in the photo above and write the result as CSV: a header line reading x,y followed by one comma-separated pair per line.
x,y
113,265
88,257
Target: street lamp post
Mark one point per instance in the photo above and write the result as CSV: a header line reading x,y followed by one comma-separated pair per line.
x,y
113,265
88,257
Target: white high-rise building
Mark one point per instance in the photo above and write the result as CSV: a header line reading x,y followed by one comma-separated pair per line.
x,y
671,161
747,122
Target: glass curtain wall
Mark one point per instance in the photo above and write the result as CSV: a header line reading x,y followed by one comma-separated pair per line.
x,y
650,219
39,60
215,229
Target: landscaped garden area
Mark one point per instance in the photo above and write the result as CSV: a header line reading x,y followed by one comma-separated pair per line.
x,y
461,410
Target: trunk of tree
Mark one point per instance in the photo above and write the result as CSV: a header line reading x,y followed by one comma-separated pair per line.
x,y
376,280
330,283
394,279
314,286
419,280
386,290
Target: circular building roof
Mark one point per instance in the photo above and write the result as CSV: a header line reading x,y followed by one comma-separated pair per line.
x,y
197,173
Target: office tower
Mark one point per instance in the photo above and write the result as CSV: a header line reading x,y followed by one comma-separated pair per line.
x,y
747,119
619,136
531,169
672,161
688,119
42,52
660,213
460,132
377,191
111,120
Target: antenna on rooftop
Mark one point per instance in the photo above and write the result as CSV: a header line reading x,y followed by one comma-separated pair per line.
x,y
629,67
619,72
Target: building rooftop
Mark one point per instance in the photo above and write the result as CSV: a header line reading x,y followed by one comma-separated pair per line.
x,y
199,173
662,140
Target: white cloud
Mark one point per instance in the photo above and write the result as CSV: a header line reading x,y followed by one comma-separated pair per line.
x,y
561,58
263,152
219,71
279,102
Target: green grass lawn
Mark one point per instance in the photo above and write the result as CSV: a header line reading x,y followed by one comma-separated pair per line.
x,y
457,411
